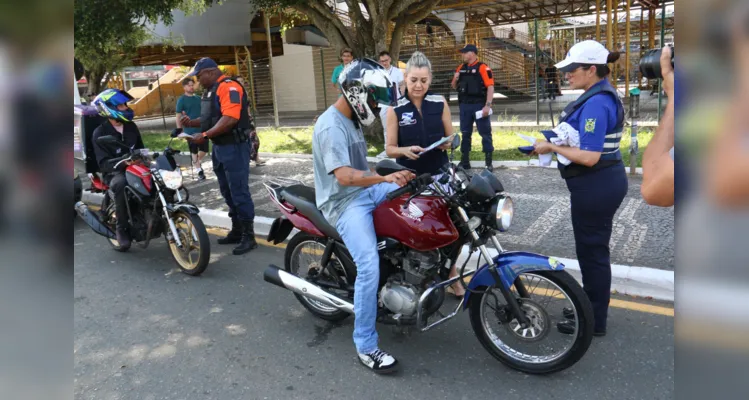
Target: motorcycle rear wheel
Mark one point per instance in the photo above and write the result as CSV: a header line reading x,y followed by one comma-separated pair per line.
x,y
505,340
304,252
194,238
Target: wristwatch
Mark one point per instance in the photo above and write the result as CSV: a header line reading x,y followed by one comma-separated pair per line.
x,y
205,135
488,104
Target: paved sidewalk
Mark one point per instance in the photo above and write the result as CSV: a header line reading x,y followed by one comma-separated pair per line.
x,y
643,235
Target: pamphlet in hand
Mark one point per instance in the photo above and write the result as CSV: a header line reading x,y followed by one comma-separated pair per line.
x,y
446,139
184,135
480,113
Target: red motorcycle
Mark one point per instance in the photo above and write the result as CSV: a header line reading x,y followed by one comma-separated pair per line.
x,y
155,206
518,302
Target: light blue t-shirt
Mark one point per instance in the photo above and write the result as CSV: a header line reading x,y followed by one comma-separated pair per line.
x,y
336,143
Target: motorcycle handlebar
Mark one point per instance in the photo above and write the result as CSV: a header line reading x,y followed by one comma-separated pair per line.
x,y
415,184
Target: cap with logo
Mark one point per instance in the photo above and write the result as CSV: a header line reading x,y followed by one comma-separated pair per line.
x,y
587,52
469,47
203,63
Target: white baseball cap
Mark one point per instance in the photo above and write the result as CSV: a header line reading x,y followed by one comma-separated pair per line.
x,y
587,52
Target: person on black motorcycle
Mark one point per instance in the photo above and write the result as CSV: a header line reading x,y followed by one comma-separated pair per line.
x,y
347,191
112,105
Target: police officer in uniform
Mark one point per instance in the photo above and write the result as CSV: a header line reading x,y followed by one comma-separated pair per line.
x,y
224,120
595,175
475,85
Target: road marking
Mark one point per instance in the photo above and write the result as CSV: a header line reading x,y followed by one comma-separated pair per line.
x,y
616,303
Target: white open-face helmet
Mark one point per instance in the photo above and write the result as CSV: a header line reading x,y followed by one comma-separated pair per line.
x,y
366,86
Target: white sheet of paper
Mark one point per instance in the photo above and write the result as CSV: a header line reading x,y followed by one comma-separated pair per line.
x,y
527,138
439,143
184,135
544,159
480,113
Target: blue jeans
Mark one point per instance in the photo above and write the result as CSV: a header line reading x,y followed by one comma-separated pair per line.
x,y
356,227
231,163
484,126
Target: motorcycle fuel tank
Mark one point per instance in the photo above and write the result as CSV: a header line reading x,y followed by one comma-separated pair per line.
x,y
139,178
423,225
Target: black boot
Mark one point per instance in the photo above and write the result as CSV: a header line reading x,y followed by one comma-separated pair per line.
x,y
465,161
123,237
488,159
248,242
235,234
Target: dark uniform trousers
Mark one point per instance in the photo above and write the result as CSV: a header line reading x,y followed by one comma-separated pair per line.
x,y
595,197
231,163
484,126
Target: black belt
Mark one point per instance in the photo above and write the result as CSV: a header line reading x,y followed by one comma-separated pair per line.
x,y
227,138
472,101
573,170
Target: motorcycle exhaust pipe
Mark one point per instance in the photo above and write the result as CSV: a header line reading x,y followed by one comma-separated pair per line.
x,y
279,277
93,220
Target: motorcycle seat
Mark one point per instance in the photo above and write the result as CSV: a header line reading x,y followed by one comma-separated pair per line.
x,y
303,198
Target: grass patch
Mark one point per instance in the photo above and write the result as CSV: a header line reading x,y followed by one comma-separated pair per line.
x,y
299,141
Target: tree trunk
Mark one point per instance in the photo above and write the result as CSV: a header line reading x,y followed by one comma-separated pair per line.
x,y
94,77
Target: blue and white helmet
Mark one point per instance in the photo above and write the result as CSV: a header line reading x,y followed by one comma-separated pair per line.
x,y
107,101
366,86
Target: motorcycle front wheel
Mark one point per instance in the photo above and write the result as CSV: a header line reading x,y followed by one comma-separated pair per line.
x,y
542,347
195,252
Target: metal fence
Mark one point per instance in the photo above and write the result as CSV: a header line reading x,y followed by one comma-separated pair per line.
x,y
302,75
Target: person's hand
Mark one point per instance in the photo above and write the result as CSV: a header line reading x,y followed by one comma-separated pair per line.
x,y
401,178
668,72
542,147
446,146
412,152
485,111
185,120
196,138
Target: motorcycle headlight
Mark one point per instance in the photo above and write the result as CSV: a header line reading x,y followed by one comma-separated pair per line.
x,y
172,179
503,211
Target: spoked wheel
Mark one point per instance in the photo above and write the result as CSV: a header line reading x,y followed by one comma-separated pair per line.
x,y
195,252
541,347
304,259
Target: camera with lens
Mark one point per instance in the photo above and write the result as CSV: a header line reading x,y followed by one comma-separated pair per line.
x,y
650,63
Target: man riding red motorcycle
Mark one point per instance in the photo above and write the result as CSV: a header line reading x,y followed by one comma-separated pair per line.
x,y
347,191
379,245
112,104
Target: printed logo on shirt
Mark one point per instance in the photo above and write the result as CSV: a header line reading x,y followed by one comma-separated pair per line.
x,y
407,119
590,125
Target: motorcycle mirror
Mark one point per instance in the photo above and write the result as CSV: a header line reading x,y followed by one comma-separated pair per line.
x,y
456,142
387,167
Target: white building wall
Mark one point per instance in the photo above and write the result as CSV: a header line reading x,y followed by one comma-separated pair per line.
x,y
295,79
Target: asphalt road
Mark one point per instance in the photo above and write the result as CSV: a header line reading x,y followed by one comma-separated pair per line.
x,y
643,235
145,331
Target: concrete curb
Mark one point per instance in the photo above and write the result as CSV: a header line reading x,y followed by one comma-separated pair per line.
x,y
630,280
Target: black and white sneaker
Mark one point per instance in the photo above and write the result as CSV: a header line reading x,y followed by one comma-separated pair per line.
x,y
379,361
201,175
